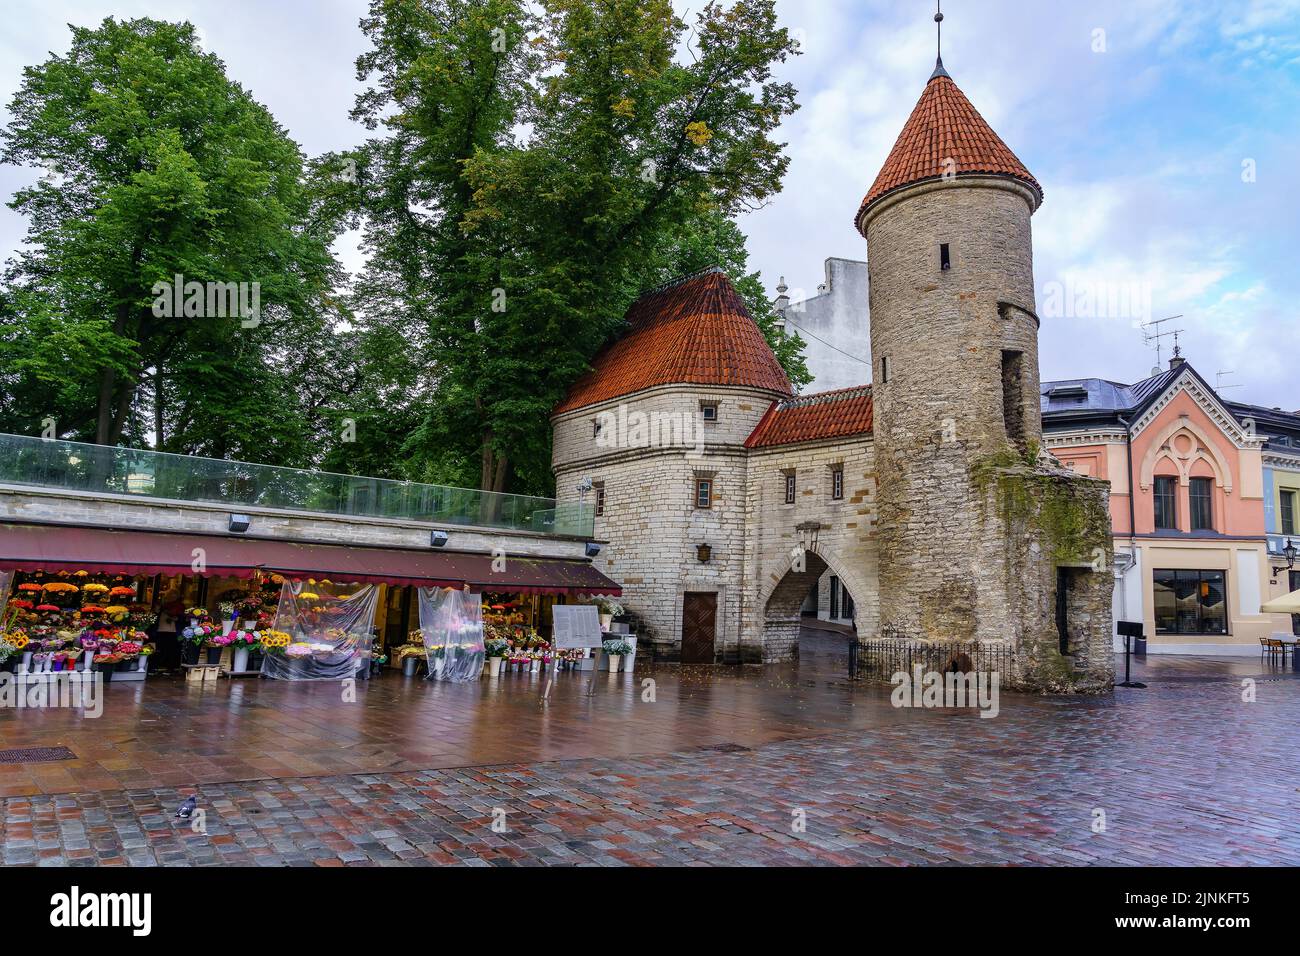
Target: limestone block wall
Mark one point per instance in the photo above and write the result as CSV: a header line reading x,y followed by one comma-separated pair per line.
x,y
941,408
650,522
845,539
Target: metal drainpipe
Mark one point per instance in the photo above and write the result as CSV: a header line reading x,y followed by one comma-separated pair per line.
x,y
1132,508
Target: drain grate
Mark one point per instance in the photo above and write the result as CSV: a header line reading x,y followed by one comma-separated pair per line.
x,y
36,755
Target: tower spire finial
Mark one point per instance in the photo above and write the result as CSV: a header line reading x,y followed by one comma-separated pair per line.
x,y
938,27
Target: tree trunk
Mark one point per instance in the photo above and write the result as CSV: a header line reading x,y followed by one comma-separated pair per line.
x,y
157,409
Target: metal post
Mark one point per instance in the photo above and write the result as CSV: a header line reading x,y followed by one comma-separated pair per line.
x,y
853,657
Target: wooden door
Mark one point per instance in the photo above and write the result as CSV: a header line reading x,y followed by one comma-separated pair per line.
x,y
699,625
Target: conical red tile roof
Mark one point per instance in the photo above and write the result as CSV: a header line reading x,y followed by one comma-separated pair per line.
x,y
695,330
944,125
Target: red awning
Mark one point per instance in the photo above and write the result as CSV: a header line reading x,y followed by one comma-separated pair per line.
x,y
103,551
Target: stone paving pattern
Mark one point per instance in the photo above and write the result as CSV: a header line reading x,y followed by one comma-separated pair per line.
x,y
1185,771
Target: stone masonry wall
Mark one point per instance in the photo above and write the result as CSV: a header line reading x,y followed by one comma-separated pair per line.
x,y
650,522
845,537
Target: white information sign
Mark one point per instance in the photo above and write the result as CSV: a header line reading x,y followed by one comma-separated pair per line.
x,y
576,626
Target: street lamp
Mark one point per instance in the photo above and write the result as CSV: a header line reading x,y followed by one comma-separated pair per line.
x,y
1289,551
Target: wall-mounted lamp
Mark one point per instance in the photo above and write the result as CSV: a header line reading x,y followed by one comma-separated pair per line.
x,y
1290,552
239,523
703,552
437,538
593,549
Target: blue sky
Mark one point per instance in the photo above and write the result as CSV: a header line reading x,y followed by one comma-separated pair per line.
x,y
1138,135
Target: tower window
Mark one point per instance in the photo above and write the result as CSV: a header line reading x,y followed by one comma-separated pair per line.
x,y
884,368
709,411
789,487
837,484
1013,408
703,493
945,257
600,498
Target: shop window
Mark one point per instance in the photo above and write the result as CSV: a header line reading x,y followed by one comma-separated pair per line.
x,y
1190,602
704,493
837,484
1287,512
790,487
599,488
1201,499
1166,502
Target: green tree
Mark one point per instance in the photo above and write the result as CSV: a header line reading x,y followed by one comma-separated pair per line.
x,y
528,188
159,165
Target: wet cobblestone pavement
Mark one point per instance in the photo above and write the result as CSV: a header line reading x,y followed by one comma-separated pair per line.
x,y
1184,772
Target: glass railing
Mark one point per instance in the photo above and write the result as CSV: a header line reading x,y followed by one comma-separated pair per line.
x,y
73,466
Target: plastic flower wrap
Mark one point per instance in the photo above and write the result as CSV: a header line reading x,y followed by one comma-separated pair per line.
x,y
299,649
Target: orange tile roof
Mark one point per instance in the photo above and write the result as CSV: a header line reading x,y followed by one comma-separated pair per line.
x,y
694,330
944,125
837,414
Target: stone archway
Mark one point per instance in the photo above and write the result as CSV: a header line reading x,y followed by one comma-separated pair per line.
x,y
782,600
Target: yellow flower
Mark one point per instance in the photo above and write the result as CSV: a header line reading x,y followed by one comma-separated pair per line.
x,y
699,133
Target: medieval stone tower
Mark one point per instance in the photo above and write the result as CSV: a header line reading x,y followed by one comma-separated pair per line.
x,y
980,539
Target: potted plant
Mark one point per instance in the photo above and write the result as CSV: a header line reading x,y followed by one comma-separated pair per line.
x,y
243,643
495,648
608,609
616,649
409,655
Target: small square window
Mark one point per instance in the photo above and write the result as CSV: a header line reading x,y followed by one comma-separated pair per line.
x,y
789,488
837,484
704,493
595,427
709,412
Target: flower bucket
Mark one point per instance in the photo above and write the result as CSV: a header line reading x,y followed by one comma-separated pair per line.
x,y
409,665
27,662
227,626
214,655
189,653
56,665
614,660
87,661
240,661
606,620
494,666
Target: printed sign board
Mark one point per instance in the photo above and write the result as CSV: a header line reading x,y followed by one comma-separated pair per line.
x,y
576,626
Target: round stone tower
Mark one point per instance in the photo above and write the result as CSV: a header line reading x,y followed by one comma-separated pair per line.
x,y
954,347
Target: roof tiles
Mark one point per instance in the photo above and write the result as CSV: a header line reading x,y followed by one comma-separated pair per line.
x,y
837,414
695,330
944,125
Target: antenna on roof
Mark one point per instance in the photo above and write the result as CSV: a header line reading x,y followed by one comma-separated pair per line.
x,y
1152,333
938,50
1218,379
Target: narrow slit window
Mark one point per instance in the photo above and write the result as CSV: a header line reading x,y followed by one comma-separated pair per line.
x,y
837,484
1013,407
945,257
884,368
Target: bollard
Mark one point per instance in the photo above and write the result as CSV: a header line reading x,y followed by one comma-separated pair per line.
x,y
853,659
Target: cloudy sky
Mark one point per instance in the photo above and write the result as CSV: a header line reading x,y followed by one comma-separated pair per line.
x,y
1164,132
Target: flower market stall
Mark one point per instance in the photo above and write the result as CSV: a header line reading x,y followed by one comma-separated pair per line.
x,y
80,623
451,622
317,635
